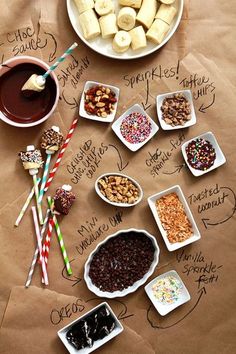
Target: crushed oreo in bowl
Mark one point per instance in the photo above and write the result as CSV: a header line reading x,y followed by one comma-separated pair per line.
x,y
95,326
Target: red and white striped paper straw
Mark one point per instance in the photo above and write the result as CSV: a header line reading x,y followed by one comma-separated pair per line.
x,y
36,252
38,235
47,243
57,163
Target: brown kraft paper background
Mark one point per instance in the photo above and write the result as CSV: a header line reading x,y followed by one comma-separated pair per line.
x,y
197,58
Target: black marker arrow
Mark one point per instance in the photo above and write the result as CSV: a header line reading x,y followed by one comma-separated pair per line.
x,y
123,313
203,109
206,222
73,278
201,292
74,104
146,105
121,166
178,169
52,55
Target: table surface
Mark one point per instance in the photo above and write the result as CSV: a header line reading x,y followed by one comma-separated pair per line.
x,y
200,57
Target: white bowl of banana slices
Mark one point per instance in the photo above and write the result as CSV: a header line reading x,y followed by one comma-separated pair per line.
x,y
125,29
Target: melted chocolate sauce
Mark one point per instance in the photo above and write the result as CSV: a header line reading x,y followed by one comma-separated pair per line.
x,y
15,105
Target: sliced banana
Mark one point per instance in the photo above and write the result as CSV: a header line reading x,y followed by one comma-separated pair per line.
x,y
147,13
168,2
136,4
104,7
138,38
89,24
108,25
126,18
157,31
84,5
121,41
166,13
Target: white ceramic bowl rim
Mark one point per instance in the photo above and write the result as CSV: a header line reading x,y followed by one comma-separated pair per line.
x,y
138,283
30,59
114,203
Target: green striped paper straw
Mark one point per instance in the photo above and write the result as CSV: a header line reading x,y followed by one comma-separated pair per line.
x,y
60,238
36,192
25,206
59,60
44,178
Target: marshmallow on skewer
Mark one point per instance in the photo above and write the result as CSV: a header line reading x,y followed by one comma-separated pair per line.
x,y
51,140
63,199
34,83
31,159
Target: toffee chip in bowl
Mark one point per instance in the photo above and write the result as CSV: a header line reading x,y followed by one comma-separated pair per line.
x,y
118,189
91,331
175,110
121,263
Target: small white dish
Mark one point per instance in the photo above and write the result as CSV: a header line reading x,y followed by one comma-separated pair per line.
x,y
220,158
116,127
164,125
152,204
137,284
123,205
98,343
82,111
163,309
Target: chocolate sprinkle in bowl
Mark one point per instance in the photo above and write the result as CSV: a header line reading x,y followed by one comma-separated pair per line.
x,y
121,263
216,156
118,189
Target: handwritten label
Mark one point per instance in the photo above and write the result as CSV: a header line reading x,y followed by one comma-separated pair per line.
x,y
58,315
154,73
69,78
86,161
21,41
212,198
92,229
73,71
157,160
196,264
201,86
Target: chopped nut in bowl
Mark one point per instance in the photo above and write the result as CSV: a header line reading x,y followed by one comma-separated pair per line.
x,y
175,110
99,102
118,189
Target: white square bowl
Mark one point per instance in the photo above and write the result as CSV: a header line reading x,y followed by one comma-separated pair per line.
x,y
159,101
82,111
116,127
163,309
98,343
220,157
152,201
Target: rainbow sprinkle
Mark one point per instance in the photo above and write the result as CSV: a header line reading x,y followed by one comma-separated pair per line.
x,y
135,128
167,290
